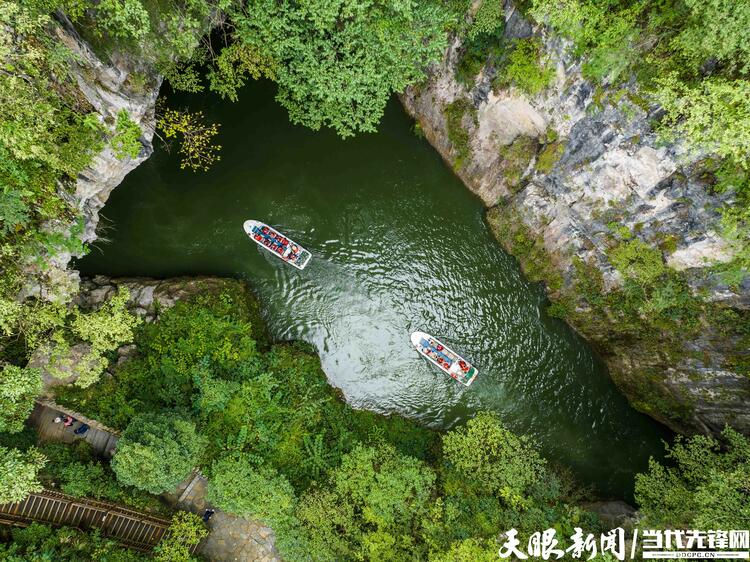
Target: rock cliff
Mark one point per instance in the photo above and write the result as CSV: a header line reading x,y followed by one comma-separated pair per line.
x,y
571,173
120,83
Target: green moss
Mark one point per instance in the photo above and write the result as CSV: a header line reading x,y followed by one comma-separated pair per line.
x,y
515,158
457,134
637,260
509,229
524,68
549,156
621,231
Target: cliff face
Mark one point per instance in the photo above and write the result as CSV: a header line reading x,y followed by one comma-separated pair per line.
x,y
566,170
121,83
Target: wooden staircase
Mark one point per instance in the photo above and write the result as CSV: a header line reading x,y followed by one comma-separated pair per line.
x,y
131,528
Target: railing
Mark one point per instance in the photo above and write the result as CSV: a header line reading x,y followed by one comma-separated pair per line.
x,y
133,529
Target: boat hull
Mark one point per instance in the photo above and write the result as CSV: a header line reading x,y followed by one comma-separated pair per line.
x,y
444,358
271,240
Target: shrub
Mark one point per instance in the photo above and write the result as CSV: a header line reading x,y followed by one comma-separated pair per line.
x,y
488,19
18,389
185,531
638,260
19,473
524,68
458,135
704,487
486,457
156,452
516,158
549,156
126,140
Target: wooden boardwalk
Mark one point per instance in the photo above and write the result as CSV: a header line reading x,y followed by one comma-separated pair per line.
x,y
101,438
131,528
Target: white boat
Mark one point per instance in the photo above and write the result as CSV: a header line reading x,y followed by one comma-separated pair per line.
x,y
447,360
279,245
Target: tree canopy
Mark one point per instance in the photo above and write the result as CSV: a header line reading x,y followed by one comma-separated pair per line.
x,y
19,473
337,63
156,452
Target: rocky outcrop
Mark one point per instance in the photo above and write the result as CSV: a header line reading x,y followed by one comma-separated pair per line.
x,y
150,297
120,83
571,166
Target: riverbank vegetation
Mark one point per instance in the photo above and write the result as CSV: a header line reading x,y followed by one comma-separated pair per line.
x,y
207,389
278,443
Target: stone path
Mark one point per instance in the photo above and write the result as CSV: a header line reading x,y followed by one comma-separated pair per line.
x,y
231,539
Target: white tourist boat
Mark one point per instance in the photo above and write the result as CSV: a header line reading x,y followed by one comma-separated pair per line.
x,y
447,360
279,245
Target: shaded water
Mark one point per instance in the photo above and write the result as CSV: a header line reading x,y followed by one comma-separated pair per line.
x,y
398,244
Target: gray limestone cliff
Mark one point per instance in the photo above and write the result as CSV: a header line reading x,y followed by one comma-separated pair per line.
x,y
121,82
562,168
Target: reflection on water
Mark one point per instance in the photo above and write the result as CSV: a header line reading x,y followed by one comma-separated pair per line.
x,y
398,245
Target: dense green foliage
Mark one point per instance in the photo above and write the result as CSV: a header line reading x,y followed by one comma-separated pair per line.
x,y
282,447
19,473
337,63
524,68
704,487
156,452
186,531
18,389
40,542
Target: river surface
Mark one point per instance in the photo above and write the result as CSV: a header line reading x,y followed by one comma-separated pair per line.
x,y
398,245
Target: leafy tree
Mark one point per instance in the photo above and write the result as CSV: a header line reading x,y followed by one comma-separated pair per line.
x,y
488,19
42,542
126,140
486,457
713,115
156,452
185,531
196,138
124,19
337,63
239,487
716,29
386,489
18,389
233,65
371,508
19,473
705,487
525,69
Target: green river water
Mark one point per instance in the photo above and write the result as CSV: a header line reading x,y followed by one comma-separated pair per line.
x,y
398,244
